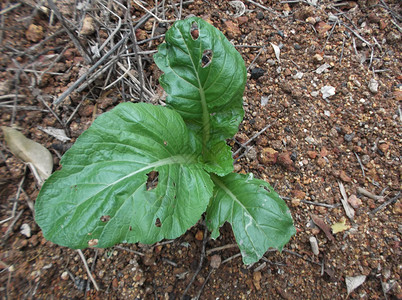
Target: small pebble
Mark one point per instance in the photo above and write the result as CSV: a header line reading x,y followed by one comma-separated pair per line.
x,y
264,100
354,201
310,140
256,280
322,68
297,46
115,283
35,33
65,275
365,159
269,156
251,154
88,26
271,62
314,245
298,75
318,57
80,284
321,162
312,154
311,20
199,236
25,229
327,91
257,73
323,152
349,137
373,86
216,261
285,160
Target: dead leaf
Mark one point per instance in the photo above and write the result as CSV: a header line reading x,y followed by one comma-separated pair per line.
x,y
56,132
323,226
30,152
340,226
353,283
350,212
277,51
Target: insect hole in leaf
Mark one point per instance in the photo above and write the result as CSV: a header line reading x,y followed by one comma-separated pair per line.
x,y
194,31
152,180
267,189
206,58
105,218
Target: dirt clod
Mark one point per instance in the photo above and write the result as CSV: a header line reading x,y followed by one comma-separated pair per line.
x,y
35,33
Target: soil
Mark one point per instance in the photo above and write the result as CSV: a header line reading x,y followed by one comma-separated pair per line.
x,y
311,146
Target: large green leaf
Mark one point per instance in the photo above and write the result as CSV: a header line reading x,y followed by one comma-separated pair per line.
x,y
99,197
208,97
259,217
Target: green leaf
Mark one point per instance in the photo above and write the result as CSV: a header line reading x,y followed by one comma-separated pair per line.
x,y
99,197
208,97
259,217
219,159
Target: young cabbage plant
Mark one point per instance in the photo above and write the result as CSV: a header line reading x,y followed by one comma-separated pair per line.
x,y
103,194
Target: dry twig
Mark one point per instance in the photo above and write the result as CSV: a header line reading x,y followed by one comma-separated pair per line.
x,y
366,193
360,163
204,243
91,69
129,250
87,269
70,33
11,226
242,146
321,204
382,206
209,251
350,212
230,258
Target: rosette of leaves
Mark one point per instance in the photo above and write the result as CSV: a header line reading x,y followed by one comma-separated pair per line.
x,y
102,195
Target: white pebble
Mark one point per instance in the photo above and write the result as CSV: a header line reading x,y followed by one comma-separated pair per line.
x,y
314,245
373,86
327,91
25,230
65,276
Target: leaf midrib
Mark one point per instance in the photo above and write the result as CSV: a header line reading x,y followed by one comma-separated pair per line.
x,y
178,159
205,112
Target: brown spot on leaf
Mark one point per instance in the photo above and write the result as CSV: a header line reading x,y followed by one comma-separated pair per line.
x,y
105,218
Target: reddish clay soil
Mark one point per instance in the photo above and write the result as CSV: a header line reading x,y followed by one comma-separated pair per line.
x,y
309,148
